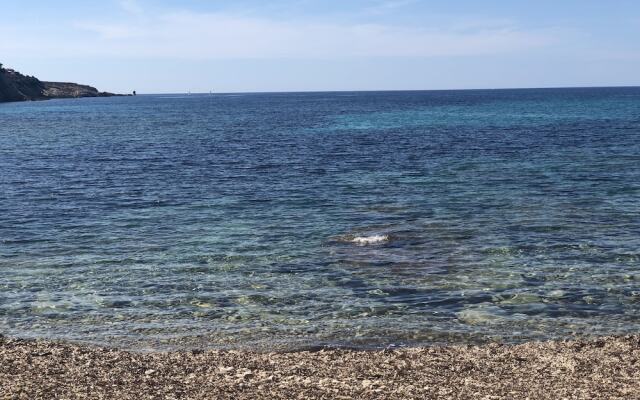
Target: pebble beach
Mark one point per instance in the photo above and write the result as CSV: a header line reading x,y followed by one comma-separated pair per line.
x,y
605,368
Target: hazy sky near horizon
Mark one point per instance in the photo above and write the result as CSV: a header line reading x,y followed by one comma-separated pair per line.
x,y
155,46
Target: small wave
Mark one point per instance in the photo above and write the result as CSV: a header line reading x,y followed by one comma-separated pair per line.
x,y
365,240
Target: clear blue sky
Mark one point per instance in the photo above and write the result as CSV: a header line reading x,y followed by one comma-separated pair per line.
x,y
158,46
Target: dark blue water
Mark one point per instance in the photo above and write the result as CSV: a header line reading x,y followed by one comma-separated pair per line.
x,y
359,219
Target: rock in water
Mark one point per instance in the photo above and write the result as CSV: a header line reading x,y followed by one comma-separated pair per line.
x,y
365,240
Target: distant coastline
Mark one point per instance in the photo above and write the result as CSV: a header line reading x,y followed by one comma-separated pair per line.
x,y
15,86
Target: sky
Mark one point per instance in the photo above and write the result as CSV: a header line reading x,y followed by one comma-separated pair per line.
x,y
175,46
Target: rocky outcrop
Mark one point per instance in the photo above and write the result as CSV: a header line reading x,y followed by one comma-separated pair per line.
x,y
17,87
62,90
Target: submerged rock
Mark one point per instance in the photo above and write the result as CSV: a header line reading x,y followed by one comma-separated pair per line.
x,y
520,298
374,239
481,315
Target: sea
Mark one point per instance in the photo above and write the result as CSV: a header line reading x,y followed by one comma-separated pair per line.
x,y
309,220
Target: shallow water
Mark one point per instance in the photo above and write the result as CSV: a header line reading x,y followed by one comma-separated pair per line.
x,y
401,218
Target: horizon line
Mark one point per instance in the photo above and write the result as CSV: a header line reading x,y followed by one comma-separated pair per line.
x,y
388,90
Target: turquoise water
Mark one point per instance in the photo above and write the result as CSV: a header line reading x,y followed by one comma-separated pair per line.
x,y
355,219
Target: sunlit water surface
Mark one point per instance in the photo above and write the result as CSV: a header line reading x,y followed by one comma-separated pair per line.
x,y
295,220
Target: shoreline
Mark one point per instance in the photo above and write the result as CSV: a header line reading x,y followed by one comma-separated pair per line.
x,y
606,368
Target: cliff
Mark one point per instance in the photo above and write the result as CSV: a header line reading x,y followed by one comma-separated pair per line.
x,y
17,87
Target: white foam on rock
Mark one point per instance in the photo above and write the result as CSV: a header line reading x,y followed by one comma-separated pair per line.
x,y
364,240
